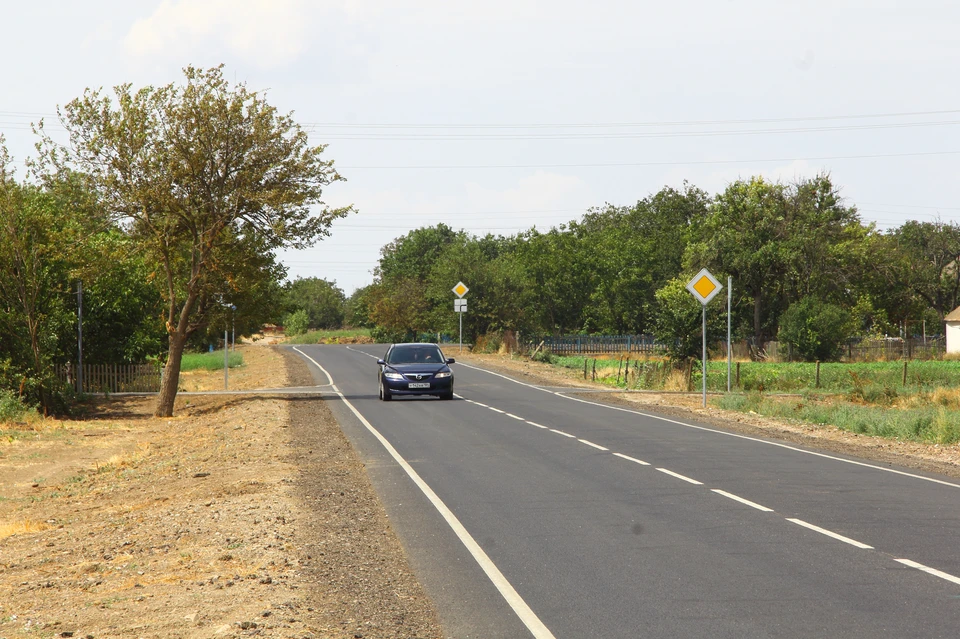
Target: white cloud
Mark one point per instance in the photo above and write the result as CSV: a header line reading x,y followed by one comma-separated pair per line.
x,y
268,33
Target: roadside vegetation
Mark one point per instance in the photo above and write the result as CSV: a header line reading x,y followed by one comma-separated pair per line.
x,y
331,336
210,361
868,398
807,271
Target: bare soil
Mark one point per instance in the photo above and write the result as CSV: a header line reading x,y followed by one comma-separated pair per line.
x,y
241,516
927,457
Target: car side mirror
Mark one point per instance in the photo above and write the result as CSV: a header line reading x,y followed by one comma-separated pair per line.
x,y
450,360
381,362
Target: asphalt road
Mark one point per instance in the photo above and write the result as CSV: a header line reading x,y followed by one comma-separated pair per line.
x,y
611,523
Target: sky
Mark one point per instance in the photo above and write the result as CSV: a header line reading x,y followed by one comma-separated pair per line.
x,y
499,116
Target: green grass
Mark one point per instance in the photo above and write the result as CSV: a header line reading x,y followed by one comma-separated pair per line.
x,y
929,424
209,361
312,337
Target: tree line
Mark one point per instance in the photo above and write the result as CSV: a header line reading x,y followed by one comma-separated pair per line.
x,y
806,269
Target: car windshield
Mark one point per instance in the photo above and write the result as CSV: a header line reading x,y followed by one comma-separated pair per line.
x,y
415,354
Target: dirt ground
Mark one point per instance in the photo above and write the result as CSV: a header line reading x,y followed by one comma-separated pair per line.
x,y
241,516
927,457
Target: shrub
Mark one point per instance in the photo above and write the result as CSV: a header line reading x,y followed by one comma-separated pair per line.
x,y
815,329
296,323
11,408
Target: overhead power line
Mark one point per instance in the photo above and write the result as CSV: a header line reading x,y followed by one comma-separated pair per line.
x,y
664,163
542,125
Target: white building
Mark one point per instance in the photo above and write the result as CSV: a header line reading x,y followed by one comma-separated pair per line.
x,y
953,330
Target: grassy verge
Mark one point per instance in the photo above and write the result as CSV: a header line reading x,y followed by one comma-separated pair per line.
x,y
865,398
313,337
929,423
209,361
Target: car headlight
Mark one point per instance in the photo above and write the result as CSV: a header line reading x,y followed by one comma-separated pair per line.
x,y
446,374
391,375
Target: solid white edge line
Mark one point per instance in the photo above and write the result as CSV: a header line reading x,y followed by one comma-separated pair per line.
x,y
929,570
536,424
509,593
633,459
742,500
718,432
830,533
679,476
597,446
515,416
560,432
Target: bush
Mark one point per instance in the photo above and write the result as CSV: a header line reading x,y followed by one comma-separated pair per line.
x,y
544,355
11,408
296,323
815,329
489,343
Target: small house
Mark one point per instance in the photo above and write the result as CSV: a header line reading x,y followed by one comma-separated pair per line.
x,y
952,321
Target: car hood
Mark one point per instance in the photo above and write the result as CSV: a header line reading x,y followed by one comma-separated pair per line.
x,y
418,368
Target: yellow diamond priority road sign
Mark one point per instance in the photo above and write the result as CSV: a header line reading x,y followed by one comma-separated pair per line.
x,y
704,286
460,289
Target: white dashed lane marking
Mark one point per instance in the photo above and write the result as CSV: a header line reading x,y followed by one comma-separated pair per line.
x,y
742,500
560,432
830,533
929,570
597,446
633,459
536,424
679,476
515,417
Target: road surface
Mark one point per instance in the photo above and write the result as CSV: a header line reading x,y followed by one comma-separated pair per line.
x,y
543,515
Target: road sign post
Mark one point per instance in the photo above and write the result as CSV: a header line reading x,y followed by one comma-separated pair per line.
x,y
704,287
460,306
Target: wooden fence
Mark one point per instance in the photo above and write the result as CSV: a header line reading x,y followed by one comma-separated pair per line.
x,y
112,378
597,344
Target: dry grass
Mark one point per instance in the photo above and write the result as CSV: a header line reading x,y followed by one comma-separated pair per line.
x,y
21,527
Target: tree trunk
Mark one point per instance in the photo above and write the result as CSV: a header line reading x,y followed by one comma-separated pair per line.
x,y
171,376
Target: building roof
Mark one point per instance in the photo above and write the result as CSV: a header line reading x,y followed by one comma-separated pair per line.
x,y
953,316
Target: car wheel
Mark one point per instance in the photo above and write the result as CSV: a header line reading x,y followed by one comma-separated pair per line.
x,y
385,393
447,395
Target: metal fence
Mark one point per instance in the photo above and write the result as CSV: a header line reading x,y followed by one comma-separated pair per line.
x,y
869,350
597,344
112,378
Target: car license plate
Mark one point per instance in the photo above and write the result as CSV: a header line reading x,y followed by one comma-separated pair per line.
x,y
418,385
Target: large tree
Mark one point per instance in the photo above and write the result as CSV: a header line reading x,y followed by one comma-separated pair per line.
x,y
206,177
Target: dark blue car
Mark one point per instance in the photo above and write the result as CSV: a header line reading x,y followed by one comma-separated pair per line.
x,y
415,369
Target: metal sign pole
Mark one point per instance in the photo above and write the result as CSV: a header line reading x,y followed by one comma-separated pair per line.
x,y
704,355
461,332
729,352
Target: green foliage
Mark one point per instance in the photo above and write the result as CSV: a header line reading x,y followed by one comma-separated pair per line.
x,y
296,323
322,301
11,408
817,330
209,179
